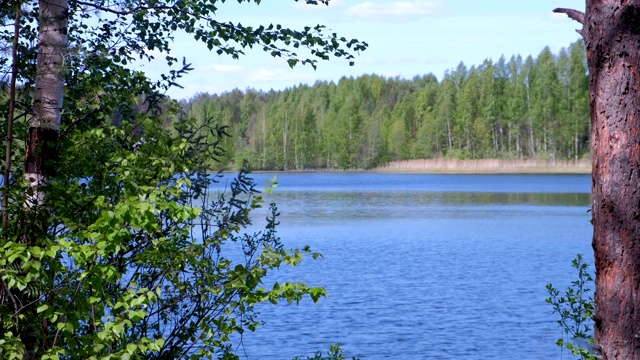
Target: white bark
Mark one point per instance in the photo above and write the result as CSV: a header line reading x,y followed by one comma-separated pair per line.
x,y
48,94
52,47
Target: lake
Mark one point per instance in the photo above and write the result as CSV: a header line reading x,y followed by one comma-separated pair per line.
x,y
424,266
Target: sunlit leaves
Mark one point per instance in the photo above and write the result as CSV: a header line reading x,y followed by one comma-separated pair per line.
x,y
576,308
139,253
149,259
142,29
335,353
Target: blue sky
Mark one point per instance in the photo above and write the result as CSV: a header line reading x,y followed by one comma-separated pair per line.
x,y
406,38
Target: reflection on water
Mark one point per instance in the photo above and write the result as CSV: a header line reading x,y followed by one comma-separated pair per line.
x,y
426,266
346,206
365,182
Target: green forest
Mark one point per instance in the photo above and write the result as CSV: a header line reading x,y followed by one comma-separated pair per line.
x,y
521,108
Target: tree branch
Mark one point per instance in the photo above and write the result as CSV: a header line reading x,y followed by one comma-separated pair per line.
x,y
10,118
133,10
119,12
572,14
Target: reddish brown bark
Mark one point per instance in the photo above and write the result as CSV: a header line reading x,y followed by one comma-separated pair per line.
x,y
613,51
612,38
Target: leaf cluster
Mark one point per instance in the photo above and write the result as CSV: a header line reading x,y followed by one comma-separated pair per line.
x,y
576,308
143,254
335,353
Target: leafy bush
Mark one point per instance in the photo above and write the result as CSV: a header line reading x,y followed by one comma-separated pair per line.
x,y
576,308
145,254
335,353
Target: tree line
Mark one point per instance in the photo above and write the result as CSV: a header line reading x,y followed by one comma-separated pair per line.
x,y
521,108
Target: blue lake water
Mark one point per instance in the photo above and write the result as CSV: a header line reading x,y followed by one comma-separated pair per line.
x,y
426,266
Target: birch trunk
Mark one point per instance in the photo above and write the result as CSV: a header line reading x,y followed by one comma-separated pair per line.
x,y
42,138
44,125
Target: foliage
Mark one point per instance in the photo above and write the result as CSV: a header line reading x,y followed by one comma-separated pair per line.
x,y
335,353
146,256
515,109
576,309
138,250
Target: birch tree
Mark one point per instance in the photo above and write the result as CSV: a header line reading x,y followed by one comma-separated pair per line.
x,y
113,245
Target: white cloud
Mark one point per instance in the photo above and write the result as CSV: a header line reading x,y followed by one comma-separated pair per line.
x,y
398,62
389,74
394,11
263,74
278,78
283,75
224,68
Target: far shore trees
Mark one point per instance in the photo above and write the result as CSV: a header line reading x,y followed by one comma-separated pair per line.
x,y
508,108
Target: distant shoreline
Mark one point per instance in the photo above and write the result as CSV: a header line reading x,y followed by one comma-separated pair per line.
x,y
487,166
455,166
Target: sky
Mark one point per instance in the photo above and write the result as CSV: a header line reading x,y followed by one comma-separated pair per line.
x,y
406,38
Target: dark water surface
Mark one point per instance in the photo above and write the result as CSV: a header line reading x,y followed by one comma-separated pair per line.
x,y
426,266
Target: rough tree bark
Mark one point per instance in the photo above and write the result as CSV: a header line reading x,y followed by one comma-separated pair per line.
x,y
611,30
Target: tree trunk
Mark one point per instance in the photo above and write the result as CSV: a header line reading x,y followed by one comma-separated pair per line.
x,y
264,140
47,105
612,37
42,138
295,145
575,140
509,139
532,151
449,139
284,141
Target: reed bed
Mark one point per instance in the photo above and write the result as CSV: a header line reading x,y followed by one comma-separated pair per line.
x,y
489,166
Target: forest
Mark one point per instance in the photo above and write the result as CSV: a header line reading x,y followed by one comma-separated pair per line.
x,y
115,242
521,108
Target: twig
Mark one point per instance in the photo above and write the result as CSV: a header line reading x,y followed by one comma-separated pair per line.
x,y
572,14
12,104
120,12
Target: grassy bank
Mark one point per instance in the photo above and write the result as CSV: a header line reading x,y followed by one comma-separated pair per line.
x,y
488,166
